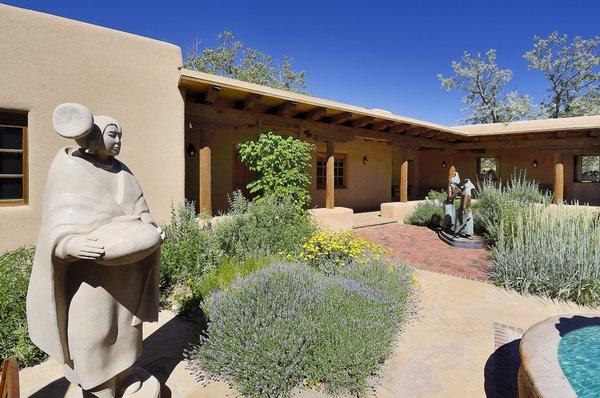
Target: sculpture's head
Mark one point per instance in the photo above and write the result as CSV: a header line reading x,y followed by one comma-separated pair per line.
x,y
97,135
455,179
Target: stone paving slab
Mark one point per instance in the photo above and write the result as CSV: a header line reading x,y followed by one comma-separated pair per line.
x,y
422,248
450,350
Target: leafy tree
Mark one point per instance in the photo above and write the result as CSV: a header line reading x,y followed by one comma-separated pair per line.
x,y
483,82
572,71
233,59
282,165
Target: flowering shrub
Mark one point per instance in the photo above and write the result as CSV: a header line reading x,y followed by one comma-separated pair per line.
x,y
289,325
328,251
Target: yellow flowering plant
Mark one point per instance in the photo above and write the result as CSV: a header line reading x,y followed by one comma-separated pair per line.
x,y
327,250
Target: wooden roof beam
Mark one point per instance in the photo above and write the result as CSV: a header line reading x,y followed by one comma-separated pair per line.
x,y
398,128
363,121
212,94
340,118
286,108
251,101
381,125
315,114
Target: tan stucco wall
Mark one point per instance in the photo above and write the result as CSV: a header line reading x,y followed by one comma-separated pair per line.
x,y
433,175
46,60
368,185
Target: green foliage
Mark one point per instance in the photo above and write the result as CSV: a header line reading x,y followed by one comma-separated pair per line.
x,y
436,195
269,227
15,269
572,73
498,204
426,214
289,325
483,84
552,251
233,59
187,250
282,164
195,259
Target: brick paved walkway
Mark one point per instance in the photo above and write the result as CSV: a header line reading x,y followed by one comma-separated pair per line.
x,y
422,248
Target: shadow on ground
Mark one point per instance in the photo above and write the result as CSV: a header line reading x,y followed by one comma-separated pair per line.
x,y
501,371
162,351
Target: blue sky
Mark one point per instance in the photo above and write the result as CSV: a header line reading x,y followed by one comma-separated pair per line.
x,y
383,54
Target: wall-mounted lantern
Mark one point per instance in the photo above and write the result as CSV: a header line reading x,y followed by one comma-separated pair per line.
x,y
534,164
191,150
365,160
444,164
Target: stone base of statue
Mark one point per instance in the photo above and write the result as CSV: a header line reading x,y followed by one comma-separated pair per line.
x,y
150,388
461,242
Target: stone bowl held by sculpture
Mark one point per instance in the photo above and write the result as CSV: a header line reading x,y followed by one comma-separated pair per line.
x,y
126,239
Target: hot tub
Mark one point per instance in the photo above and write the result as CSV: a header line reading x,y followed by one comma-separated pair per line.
x,y
560,357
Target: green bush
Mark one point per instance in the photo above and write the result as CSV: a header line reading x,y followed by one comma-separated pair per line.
x,y
282,165
498,204
437,195
187,251
550,251
290,325
270,227
15,269
426,214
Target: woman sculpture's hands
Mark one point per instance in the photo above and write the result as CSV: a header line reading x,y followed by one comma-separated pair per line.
x,y
84,247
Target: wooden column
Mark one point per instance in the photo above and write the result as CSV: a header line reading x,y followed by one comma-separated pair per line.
x,y
559,179
329,177
404,178
9,381
205,202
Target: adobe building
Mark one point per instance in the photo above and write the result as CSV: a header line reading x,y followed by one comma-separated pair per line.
x,y
181,128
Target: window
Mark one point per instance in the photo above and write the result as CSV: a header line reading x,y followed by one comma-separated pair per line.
x,y
339,170
488,168
587,168
13,158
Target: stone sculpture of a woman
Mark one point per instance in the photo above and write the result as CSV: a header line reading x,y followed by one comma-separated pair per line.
x,y
95,274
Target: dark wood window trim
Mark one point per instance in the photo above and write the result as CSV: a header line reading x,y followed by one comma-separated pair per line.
x,y
17,120
340,170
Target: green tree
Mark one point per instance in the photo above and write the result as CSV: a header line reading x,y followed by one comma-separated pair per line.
x,y
282,165
572,71
233,59
483,84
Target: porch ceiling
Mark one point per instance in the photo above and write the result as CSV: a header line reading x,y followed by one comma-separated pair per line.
x,y
214,100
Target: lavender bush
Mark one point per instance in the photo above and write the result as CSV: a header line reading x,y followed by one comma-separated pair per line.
x,y
290,326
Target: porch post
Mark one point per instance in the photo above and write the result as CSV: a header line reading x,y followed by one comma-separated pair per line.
x,y
204,202
404,178
329,181
559,179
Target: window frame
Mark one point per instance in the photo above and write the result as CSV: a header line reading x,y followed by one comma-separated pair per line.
x,y
579,168
478,169
344,176
24,177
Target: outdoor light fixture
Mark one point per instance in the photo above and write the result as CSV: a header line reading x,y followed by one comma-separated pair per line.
x,y
191,150
444,164
534,164
365,160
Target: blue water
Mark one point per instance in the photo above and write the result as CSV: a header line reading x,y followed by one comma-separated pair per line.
x,y
579,358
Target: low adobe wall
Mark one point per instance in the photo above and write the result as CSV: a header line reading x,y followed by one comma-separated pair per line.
x,y
336,219
399,210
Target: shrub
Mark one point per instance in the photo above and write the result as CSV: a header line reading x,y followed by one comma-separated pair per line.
x,y
270,227
550,251
290,325
426,214
328,251
15,269
187,250
498,205
282,165
434,195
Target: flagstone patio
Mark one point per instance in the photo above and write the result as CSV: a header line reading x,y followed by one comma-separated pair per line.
x,y
462,344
